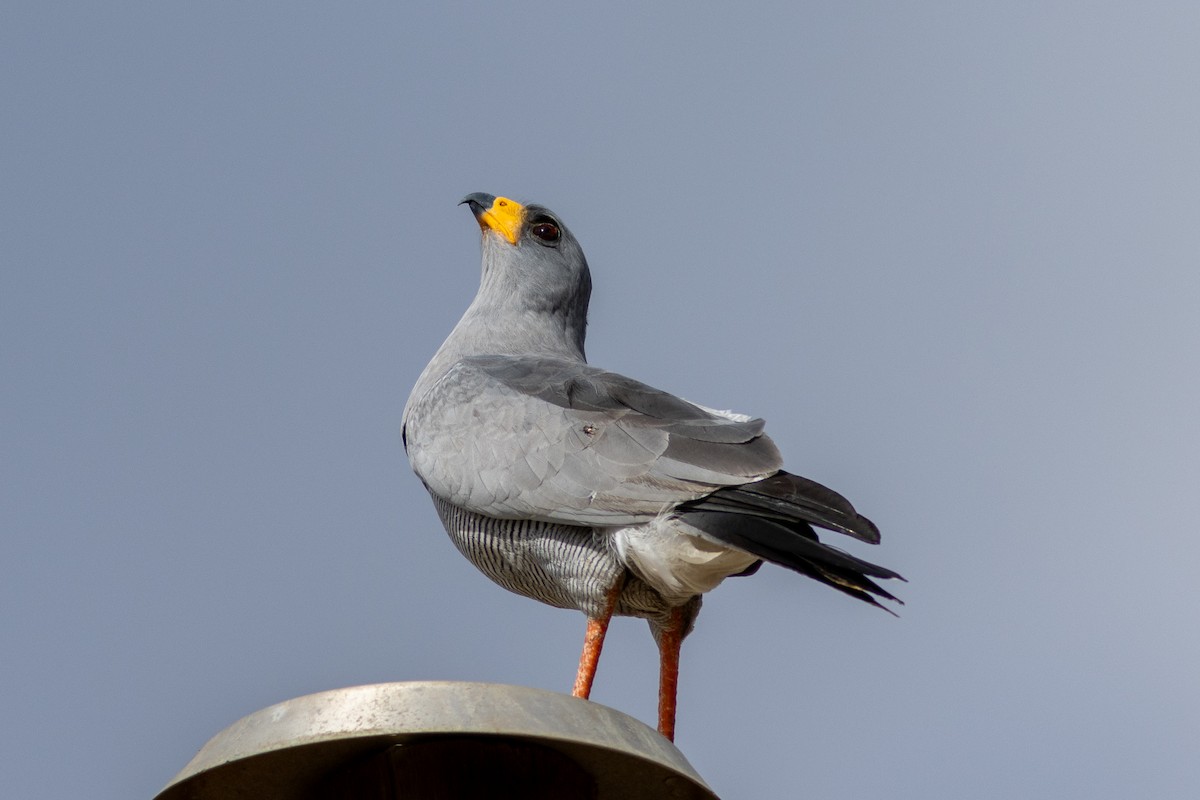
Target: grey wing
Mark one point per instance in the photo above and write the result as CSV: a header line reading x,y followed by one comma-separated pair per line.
x,y
555,440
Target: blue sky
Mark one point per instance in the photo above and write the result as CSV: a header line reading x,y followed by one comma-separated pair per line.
x,y
949,252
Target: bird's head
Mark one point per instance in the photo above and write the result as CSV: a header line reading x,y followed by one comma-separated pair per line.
x,y
531,262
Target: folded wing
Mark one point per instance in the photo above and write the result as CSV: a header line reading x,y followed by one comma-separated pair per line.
x,y
557,440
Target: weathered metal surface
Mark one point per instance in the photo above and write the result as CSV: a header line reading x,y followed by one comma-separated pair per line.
x,y
294,749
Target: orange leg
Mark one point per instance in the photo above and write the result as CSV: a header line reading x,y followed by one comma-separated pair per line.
x,y
669,643
593,642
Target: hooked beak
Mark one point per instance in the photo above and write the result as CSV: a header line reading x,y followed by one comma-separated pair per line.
x,y
498,214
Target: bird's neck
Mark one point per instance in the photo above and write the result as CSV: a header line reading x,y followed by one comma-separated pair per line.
x,y
516,330
488,328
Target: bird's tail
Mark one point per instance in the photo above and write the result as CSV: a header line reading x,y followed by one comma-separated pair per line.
x,y
773,519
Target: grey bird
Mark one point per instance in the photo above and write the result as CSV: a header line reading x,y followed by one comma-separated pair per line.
x,y
588,490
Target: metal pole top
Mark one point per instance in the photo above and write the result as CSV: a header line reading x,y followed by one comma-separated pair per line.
x,y
437,739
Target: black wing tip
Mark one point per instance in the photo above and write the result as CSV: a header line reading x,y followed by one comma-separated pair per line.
x,y
888,610
865,530
792,544
798,497
867,591
852,576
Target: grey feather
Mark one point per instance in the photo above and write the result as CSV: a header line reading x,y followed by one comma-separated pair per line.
x,y
606,459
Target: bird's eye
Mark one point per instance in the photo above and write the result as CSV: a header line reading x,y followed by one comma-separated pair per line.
x,y
546,231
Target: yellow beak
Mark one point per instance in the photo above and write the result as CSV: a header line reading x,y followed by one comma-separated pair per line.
x,y
504,217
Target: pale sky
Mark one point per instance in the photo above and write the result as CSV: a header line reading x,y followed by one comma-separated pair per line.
x,y
950,253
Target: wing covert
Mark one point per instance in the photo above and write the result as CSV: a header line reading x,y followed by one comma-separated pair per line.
x,y
558,440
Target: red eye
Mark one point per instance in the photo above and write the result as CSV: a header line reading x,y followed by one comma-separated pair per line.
x,y
546,231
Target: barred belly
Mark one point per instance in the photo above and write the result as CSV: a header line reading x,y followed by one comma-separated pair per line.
x,y
567,566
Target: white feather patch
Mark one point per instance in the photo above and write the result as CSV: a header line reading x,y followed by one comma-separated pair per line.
x,y
677,560
731,415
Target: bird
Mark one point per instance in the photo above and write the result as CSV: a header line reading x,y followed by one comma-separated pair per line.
x,y
588,490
